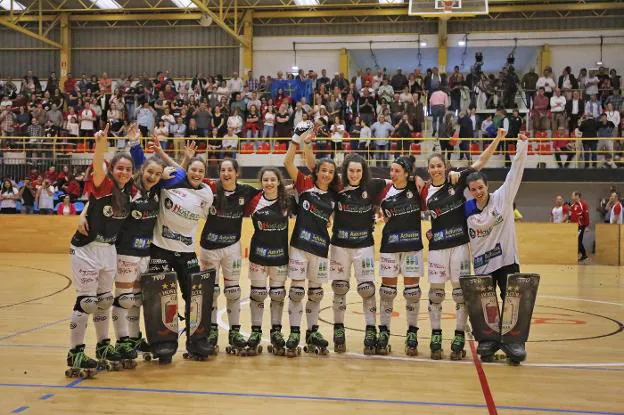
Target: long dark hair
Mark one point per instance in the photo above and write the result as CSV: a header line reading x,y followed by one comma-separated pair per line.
x,y
447,164
335,183
221,199
121,197
282,196
7,189
138,176
355,158
193,160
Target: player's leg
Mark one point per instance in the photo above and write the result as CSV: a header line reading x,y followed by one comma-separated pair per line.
x,y
317,272
258,275
438,273
460,266
277,293
126,276
340,273
412,270
198,311
105,351
211,259
389,269
364,269
297,272
134,312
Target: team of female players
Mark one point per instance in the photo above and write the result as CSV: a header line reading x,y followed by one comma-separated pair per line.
x,y
148,223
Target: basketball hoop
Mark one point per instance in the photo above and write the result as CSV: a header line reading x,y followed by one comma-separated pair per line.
x,y
447,6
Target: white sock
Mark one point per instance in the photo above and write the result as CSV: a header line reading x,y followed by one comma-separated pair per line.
x,y
78,328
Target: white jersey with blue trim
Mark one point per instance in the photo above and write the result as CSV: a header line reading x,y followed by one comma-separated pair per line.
x,y
492,230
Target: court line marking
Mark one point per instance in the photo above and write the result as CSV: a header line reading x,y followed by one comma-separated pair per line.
x,y
41,327
69,283
310,398
46,396
557,297
19,410
485,386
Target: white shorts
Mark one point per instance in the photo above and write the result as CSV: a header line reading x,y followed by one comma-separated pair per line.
x,y
93,268
129,268
449,264
228,259
408,264
304,265
258,273
362,259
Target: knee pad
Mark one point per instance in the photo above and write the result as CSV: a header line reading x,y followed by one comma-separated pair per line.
x,y
105,301
277,294
436,295
232,293
387,292
412,294
86,304
458,296
258,294
125,300
366,289
137,297
340,287
296,294
315,294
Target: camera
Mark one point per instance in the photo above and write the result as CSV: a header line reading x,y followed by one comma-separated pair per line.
x,y
479,57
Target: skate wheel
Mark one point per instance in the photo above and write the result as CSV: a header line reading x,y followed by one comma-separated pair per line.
x,y
129,364
228,350
68,373
324,352
242,353
185,356
147,357
270,348
84,374
305,349
259,349
316,351
514,363
298,351
281,352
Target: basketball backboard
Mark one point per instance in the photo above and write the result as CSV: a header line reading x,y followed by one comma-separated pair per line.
x,y
447,8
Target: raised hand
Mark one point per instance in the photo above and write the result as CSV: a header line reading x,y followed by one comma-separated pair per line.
x,y
190,149
523,137
101,137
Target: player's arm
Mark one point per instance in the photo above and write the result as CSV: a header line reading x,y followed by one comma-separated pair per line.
x,y
289,161
487,153
101,146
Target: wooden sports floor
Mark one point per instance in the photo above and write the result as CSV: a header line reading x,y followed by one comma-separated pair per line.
x,y
575,363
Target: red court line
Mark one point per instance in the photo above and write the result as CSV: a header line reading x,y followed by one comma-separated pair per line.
x,y
485,387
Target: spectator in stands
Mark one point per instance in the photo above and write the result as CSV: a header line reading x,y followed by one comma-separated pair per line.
x,y
560,213
547,82
604,206
235,84
35,130
579,214
593,107
512,124
366,108
31,84
9,195
445,132
28,194
613,116
145,117
616,100
591,86
178,132
87,120
70,84
589,128
51,175
381,131
398,81
252,123
66,208
230,143
467,128
575,108
539,115
564,147
529,85
7,122
605,143
567,81
403,129
439,103
45,198
235,121
55,116
558,111
616,215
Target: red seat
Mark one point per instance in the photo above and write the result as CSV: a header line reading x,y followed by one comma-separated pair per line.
x,y
346,146
201,146
263,148
415,148
394,146
82,147
247,148
560,134
511,149
545,149
416,135
279,148
541,134
474,148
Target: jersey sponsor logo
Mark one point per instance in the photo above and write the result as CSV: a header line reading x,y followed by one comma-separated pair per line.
x,y
106,239
169,234
446,234
107,211
312,238
409,194
403,237
482,260
351,235
241,201
336,267
482,233
272,227
137,214
451,191
180,211
437,212
141,243
405,209
221,238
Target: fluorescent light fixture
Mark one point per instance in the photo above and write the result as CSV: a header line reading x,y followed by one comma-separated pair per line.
x,y
423,44
184,4
391,1
599,63
295,68
306,2
106,4
17,6
462,43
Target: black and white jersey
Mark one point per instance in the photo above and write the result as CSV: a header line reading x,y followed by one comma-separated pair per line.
x,y
180,210
401,207
445,204
104,222
354,216
315,207
225,219
269,243
137,231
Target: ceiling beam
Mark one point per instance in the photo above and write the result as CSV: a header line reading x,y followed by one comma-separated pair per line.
x,y
5,22
215,18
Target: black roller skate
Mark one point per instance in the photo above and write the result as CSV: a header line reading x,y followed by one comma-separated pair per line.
x,y
277,342
411,341
80,365
142,347
383,348
164,351
516,353
292,344
125,348
237,342
108,358
253,343
198,349
457,346
339,338
370,340
436,344
213,339
487,350
315,343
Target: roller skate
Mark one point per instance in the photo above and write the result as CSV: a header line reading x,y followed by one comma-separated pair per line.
x,y
253,343
213,339
370,340
487,351
142,347
292,344
237,342
277,342
315,343
436,344
198,349
516,353
108,358
457,346
339,338
80,365
411,341
125,348
383,348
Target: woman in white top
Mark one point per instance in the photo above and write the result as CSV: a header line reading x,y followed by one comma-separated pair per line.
x,y
9,196
235,121
269,123
162,134
45,198
71,123
614,117
87,120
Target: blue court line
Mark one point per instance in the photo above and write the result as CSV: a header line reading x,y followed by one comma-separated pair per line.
x,y
310,398
43,326
19,410
46,396
72,384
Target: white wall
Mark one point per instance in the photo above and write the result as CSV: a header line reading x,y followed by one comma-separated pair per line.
x,y
586,56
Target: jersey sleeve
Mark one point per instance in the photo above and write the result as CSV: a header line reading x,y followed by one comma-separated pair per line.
x,y
138,156
303,182
250,205
249,192
585,213
463,176
207,198
375,188
178,177
510,187
104,189
566,213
